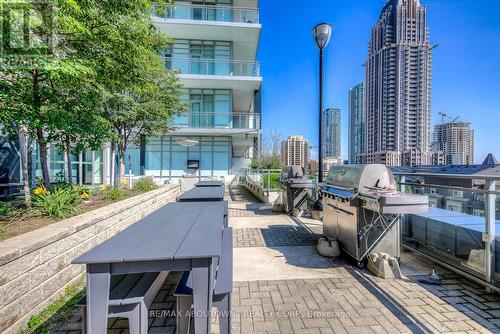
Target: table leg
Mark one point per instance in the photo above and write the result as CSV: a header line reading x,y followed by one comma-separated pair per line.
x,y
98,280
202,294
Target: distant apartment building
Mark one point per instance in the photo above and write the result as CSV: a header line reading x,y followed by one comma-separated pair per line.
x,y
312,167
295,151
331,161
356,123
332,125
456,141
213,53
398,87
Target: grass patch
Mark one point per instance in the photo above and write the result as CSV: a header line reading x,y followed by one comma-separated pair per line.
x,y
58,312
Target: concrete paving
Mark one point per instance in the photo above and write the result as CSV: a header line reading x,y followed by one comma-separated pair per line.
x,y
281,263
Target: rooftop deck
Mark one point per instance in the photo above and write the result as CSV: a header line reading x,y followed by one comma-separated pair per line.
x,y
281,285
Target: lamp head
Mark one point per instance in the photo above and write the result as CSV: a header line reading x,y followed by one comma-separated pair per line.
x,y
322,34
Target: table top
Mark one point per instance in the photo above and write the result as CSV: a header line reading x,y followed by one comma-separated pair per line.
x,y
175,231
209,184
202,194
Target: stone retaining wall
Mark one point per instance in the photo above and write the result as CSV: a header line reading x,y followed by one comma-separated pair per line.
x,y
36,267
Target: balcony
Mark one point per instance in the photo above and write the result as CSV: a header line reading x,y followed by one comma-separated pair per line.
x,y
217,120
207,13
212,23
216,67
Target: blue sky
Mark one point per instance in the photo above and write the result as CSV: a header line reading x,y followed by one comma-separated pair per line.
x,y
466,71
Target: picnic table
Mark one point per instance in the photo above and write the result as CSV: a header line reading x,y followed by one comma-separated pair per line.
x,y
209,184
177,237
203,194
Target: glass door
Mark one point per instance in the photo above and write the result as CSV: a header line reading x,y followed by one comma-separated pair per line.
x,y
197,11
196,103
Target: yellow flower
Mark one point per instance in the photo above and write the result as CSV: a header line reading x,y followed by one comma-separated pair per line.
x,y
104,187
38,191
85,196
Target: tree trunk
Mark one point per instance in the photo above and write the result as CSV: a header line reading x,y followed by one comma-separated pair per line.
x,y
24,166
43,158
121,154
68,159
42,144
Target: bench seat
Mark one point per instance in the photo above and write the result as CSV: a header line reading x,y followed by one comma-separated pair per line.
x,y
130,296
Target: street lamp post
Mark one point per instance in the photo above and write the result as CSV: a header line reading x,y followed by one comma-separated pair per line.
x,y
322,34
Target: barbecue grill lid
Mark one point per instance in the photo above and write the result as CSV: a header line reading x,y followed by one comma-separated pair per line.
x,y
294,172
361,178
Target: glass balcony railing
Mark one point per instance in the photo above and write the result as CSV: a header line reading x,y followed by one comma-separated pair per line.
x,y
206,13
217,120
461,228
222,67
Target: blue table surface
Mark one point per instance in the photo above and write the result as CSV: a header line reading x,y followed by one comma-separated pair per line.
x,y
175,231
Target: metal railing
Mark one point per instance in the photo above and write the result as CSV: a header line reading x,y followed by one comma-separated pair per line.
x,y
206,13
217,120
463,235
267,179
202,66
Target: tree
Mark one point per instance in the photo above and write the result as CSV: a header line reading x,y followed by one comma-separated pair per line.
x,y
81,123
142,111
270,152
34,86
140,94
272,144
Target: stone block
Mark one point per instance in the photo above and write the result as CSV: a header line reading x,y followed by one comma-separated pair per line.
x,y
13,290
8,316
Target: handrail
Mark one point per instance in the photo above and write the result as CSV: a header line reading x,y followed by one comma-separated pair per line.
x,y
208,120
208,66
231,61
450,176
213,6
232,114
247,15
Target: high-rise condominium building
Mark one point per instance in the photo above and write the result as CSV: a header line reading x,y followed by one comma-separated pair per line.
x,y
356,122
398,86
213,53
295,151
332,124
456,141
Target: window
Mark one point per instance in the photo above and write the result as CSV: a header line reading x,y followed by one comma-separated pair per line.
x,y
166,158
209,109
199,57
153,157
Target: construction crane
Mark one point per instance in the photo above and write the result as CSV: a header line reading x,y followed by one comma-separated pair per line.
x,y
445,115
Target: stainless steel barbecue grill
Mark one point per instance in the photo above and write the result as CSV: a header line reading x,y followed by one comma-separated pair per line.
x,y
294,190
362,209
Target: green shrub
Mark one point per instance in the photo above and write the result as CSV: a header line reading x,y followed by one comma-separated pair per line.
x,y
5,208
271,181
114,194
58,204
144,184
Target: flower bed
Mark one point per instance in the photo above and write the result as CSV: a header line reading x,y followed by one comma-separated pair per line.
x,y
62,201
